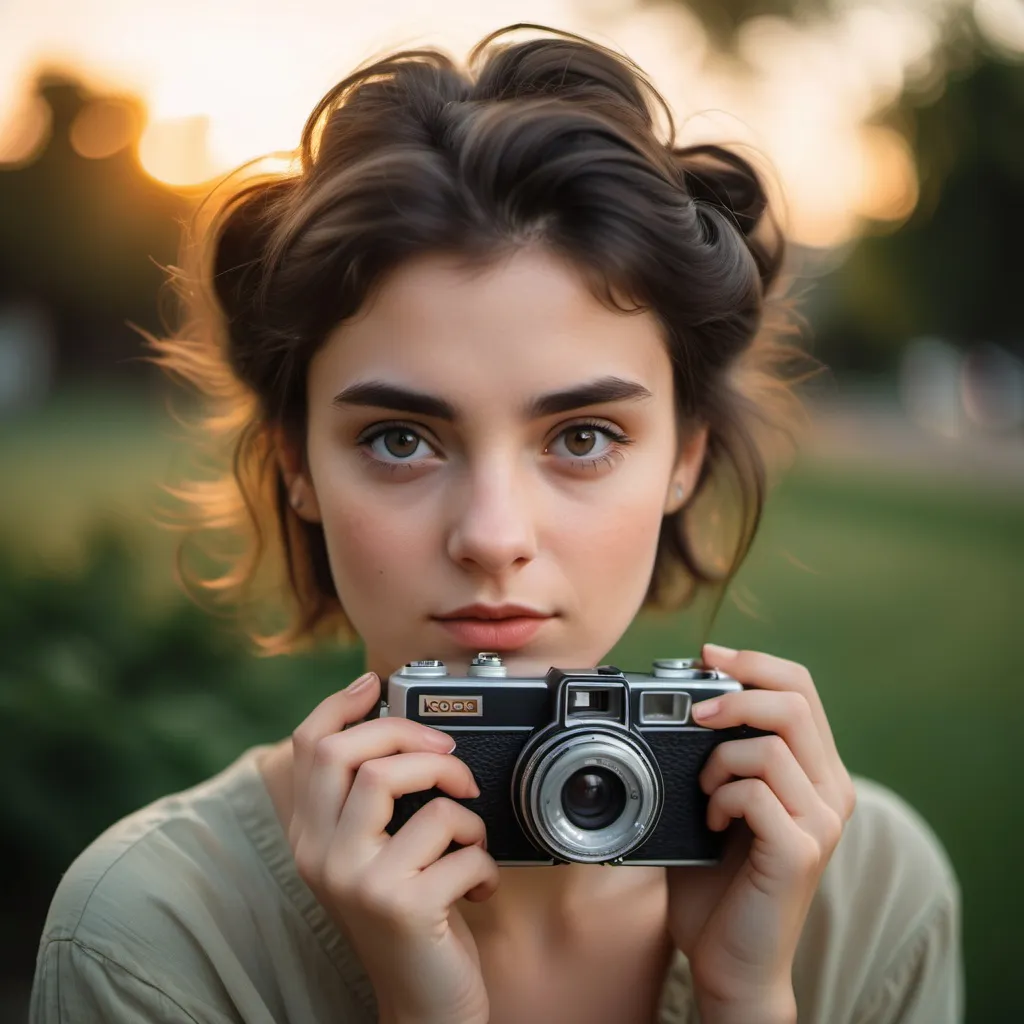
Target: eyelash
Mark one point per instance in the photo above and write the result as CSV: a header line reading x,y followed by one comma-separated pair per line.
x,y
619,441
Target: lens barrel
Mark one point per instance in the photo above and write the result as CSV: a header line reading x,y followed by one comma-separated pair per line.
x,y
588,795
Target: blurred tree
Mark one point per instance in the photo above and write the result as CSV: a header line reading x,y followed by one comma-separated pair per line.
x,y
722,18
80,234
953,269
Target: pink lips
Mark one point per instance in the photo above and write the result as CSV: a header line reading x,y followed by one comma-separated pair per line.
x,y
493,627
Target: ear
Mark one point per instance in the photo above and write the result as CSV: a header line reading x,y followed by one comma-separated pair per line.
x,y
295,473
692,448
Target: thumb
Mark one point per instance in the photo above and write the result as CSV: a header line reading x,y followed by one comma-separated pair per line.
x,y
361,692
361,695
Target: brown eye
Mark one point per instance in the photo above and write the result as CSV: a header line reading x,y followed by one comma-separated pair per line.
x,y
397,445
580,441
589,444
400,442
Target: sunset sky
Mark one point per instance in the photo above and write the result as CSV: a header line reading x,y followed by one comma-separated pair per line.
x,y
225,81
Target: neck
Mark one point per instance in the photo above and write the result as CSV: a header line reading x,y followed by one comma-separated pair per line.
x,y
559,898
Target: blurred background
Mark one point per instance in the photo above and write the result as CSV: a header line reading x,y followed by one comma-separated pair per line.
x,y
891,561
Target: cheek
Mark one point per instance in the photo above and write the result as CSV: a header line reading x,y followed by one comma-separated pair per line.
x,y
613,543
370,550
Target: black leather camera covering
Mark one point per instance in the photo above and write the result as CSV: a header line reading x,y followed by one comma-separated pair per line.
x,y
680,835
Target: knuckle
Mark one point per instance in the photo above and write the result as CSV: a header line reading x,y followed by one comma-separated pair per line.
x,y
778,749
758,789
803,676
326,750
799,707
833,828
442,811
798,674
308,866
480,864
807,854
719,758
372,773
849,798
303,738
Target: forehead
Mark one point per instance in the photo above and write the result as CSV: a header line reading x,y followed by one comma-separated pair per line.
x,y
526,324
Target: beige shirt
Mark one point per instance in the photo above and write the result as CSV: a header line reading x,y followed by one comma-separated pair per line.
x,y
191,909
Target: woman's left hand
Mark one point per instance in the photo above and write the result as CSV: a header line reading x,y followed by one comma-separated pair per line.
x,y
738,923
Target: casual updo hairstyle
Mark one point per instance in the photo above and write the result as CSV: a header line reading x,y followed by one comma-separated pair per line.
x,y
550,142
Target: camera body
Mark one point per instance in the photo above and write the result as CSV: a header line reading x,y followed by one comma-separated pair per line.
x,y
591,765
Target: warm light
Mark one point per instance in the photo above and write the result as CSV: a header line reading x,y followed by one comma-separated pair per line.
x,y
889,187
1002,23
225,83
102,128
24,132
175,151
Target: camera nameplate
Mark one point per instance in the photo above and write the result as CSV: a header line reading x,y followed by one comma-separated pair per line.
x,y
445,705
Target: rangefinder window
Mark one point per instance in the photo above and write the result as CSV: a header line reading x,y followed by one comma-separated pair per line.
x,y
664,707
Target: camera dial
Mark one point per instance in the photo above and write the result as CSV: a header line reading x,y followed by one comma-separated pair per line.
x,y
487,663
682,668
428,668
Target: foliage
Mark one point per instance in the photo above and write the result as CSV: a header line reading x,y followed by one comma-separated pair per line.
x,y
107,703
904,601
951,270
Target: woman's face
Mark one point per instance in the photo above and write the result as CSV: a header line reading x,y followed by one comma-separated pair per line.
x,y
492,439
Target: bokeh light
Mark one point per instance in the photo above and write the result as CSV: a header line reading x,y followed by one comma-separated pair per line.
x,y
225,83
103,128
1002,24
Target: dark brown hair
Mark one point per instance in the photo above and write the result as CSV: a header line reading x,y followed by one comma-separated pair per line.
x,y
551,142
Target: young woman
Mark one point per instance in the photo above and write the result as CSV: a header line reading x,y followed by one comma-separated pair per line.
x,y
479,355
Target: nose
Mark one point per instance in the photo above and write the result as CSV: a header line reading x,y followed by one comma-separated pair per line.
x,y
493,528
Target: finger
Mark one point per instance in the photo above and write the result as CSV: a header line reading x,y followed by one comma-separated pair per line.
x,y
786,713
763,757
335,761
469,872
331,715
379,782
771,673
428,833
757,805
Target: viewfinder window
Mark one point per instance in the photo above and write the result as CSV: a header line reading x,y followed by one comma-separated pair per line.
x,y
594,702
664,707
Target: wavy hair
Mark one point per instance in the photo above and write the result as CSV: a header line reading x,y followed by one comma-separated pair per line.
x,y
550,141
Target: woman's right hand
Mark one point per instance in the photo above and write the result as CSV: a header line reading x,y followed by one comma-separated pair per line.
x,y
392,895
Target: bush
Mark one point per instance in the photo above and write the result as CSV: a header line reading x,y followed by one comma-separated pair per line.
x,y
108,701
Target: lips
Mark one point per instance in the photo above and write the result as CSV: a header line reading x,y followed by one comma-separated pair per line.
x,y
494,611
493,627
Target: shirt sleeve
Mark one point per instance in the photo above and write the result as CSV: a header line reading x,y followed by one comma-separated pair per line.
x,y
925,984
75,984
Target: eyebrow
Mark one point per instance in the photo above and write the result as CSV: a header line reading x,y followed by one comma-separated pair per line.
x,y
382,395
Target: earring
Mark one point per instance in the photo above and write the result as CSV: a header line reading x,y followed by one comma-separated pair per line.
x,y
679,492
295,500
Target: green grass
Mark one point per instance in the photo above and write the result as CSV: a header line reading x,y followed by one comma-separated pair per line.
x,y
910,615
905,600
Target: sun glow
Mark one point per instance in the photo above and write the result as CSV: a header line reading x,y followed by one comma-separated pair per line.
x,y
223,83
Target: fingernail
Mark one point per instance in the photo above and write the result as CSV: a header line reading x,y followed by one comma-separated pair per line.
x,y
361,683
706,709
717,653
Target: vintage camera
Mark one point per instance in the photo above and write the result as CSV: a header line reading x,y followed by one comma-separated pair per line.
x,y
590,765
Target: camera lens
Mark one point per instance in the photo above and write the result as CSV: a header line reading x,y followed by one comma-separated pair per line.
x,y
587,795
593,797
